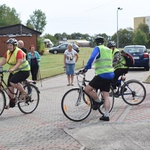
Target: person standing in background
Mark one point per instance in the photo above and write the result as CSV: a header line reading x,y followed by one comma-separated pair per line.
x,y
21,46
70,59
34,61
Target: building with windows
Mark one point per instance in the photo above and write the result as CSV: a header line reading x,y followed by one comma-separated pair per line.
x,y
139,20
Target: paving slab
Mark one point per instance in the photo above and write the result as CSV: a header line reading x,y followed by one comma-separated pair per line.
x,y
48,129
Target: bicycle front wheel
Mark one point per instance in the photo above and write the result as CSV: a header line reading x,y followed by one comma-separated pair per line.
x,y
133,92
111,98
32,99
2,101
76,105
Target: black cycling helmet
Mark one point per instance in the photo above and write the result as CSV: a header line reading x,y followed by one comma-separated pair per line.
x,y
99,40
111,44
12,41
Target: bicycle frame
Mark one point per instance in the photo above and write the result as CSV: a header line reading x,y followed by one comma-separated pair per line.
x,y
122,85
83,84
31,100
3,85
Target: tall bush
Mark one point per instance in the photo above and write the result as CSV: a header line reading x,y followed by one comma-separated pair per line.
x,y
41,45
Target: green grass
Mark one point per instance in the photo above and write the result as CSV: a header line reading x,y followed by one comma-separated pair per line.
x,y
52,64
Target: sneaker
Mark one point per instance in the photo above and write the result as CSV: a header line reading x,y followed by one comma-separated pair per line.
x,y
96,105
104,118
116,94
12,103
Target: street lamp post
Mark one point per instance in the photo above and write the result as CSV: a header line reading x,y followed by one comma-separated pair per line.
x,y
117,27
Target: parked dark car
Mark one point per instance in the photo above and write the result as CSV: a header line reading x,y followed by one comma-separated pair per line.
x,y
140,55
61,48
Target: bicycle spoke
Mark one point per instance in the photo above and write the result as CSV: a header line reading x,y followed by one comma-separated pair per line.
x,y
32,100
76,105
133,93
2,101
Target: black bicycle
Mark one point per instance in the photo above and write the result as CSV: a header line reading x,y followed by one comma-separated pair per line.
x,y
132,91
77,105
29,104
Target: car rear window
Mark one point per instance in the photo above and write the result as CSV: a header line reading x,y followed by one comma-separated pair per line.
x,y
135,49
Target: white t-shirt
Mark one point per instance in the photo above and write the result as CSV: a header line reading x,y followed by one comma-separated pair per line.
x,y
70,56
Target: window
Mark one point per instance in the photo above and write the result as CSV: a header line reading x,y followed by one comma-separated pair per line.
x,y
135,49
63,46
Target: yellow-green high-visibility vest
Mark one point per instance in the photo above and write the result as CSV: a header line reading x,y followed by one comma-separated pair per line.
x,y
12,61
121,62
104,63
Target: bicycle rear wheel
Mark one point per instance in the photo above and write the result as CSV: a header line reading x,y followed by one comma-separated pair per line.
x,y
2,101
32,99
102,108
76,105
133,92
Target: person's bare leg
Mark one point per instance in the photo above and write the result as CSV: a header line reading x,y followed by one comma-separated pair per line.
x,y
106,103
10,92
20,88
72,78
90,91
68,77
11,97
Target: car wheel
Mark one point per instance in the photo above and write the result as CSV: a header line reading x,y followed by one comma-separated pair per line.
x,y
146,68
55,52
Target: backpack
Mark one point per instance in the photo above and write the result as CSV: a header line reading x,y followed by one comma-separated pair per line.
x,y
129,58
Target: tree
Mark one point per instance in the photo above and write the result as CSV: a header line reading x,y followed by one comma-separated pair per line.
x,y
144,28
148,43
8,16
125,37
58,36
64,36
86,36
140,38
37,21
52,38
76,36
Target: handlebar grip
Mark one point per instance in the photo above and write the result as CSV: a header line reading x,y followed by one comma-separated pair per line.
x,y
81,71
4,71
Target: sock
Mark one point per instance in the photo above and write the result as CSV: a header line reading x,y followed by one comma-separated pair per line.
x,y
106,114
98,100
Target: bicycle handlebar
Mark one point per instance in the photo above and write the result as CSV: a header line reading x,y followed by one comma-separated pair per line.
x,y
4,71
83,71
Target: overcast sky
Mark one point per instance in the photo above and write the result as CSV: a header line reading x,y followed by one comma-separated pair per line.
x,y
84,16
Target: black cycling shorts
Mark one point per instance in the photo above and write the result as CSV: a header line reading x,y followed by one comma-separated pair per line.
x,y
100,83
18,77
